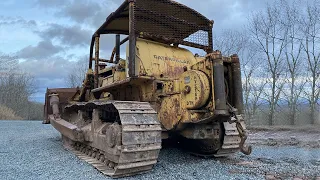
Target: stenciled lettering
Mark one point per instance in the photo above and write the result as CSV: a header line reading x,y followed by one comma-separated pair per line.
x,y
165,58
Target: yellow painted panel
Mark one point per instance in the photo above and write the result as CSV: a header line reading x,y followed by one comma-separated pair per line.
x,y
196,89
161,60
107,81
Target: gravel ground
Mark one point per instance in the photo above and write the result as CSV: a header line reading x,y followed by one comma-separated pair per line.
x,y
31,150
304,136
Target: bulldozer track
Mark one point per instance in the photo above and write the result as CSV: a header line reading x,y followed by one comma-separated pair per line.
x,y
132,140
140,140
231,140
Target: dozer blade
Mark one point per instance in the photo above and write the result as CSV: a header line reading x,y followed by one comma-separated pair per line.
x,y
64,95
67,129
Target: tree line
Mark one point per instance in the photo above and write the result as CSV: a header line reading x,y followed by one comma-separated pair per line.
x,y
280,52
16,88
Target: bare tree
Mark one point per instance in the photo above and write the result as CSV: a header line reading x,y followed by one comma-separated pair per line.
x,y
253,96
233,41
270,37
310,25
253,85
293,58
77,73
16,88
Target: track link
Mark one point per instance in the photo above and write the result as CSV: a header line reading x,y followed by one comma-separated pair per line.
x,y
139,145
231,140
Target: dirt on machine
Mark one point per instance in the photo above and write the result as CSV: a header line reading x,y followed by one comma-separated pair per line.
x,y
159,91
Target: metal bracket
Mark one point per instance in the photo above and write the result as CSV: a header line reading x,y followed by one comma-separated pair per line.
x,y
242,132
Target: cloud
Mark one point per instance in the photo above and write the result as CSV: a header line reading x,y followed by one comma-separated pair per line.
x,y
54,67
43,49
106,9
79,10
50,3
17,33
92,13
51,72
75,37
48,73
227,14
10,21
67,35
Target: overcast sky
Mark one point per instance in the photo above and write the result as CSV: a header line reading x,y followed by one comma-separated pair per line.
x,y
48,36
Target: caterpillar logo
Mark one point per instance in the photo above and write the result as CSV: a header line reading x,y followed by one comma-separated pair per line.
x,y
165,58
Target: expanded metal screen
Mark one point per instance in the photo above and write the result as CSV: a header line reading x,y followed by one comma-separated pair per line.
x,y
171,21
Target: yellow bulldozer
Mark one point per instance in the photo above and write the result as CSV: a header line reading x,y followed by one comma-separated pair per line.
x,y
160,91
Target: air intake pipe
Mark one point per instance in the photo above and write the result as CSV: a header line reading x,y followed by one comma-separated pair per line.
x,y
219,84
237,83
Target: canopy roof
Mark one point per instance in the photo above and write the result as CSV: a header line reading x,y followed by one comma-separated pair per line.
x,y
117,22
165,18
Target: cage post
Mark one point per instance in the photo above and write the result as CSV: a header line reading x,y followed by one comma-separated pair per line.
x,y
96,64
132,39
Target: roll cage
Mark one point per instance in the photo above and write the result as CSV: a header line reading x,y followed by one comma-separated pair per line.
x,y
164,21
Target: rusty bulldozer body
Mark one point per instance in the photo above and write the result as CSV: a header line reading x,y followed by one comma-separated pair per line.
x,y
117,120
